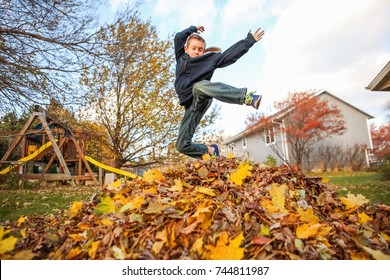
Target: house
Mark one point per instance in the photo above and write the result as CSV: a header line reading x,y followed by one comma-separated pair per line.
x,y
350,149
382,81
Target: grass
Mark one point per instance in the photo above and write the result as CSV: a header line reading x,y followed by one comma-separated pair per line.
x,y
40,200
369,184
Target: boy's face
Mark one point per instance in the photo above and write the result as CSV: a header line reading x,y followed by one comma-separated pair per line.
x,y
194,47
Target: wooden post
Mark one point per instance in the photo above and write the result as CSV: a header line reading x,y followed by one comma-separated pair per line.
x,y
55,147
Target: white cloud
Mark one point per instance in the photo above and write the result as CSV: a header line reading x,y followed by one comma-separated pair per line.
x,y
332,44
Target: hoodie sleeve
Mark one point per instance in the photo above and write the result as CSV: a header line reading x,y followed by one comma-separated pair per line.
x,y
236,51
180,40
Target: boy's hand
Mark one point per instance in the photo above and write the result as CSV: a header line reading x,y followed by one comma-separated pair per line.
x,y
258,34
199,29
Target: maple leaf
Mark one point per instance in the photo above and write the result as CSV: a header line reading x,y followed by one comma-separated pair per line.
x,y
7,244
198,246
242,172
353,201
134,204
225,249
307,216
364,218
105,206
21,220
269,205
206,157
153,175
75,208
278,195
306,231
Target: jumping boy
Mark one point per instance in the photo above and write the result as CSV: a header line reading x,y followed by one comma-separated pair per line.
x,y
195,66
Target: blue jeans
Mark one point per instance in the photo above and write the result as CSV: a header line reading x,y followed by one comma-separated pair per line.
x,y
203,94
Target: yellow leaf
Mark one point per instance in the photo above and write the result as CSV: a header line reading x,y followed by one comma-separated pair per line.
x,y
134,204
278,195
73,253
364,218
197,246
7,244
241,173
21,220
385,236
264,230
378,255
207,191
308,216
269,205
92,250
307,230
178,187
352,201
24,255
76,236
107,222
105,206
225,249
206,157
161,238
155,207
230,155
151,190
153,175
75,208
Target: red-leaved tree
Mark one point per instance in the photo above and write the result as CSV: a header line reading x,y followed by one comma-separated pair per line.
x,y
381,141
304,119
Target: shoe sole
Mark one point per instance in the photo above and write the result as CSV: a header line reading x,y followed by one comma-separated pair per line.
x,y
256,105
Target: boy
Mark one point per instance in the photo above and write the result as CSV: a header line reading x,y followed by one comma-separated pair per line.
x,y
194,69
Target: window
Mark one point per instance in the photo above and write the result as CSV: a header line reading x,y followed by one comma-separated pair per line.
x,y
231,148
269,135
244,142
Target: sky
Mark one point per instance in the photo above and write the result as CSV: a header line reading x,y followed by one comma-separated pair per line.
x,y
335,45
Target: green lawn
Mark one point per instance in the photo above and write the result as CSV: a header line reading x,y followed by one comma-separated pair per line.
x,y
368,184
40,200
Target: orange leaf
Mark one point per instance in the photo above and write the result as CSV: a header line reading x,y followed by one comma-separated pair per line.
x,y
153,175
307,230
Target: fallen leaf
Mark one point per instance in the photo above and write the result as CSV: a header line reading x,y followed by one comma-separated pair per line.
x,y
278,195
105,206
242,172
225,249
306,231
353,201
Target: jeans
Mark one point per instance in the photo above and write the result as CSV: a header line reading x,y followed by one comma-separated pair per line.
x,y
203,94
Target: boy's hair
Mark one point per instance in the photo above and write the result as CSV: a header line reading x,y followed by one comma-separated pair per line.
x,y
195,36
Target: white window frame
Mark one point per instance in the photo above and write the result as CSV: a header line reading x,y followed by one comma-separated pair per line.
x,y
244,143
269,136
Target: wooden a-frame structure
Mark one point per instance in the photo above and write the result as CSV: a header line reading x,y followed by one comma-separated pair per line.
x,y
61,137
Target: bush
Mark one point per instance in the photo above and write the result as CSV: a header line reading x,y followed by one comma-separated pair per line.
x,y
270,161
385,171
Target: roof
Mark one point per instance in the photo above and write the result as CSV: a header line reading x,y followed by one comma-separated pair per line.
x,y
382,81
280,114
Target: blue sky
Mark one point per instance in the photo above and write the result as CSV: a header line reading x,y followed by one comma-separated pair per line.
x,y
337,45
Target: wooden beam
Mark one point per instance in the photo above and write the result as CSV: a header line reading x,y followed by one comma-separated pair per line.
x,y
55,147
18,138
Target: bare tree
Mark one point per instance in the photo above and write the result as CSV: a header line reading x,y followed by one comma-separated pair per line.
x,y
44,44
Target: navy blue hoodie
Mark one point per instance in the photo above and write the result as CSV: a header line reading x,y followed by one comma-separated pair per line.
x,y
192,70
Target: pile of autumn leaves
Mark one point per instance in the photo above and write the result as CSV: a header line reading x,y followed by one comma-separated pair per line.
x,y
220,208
